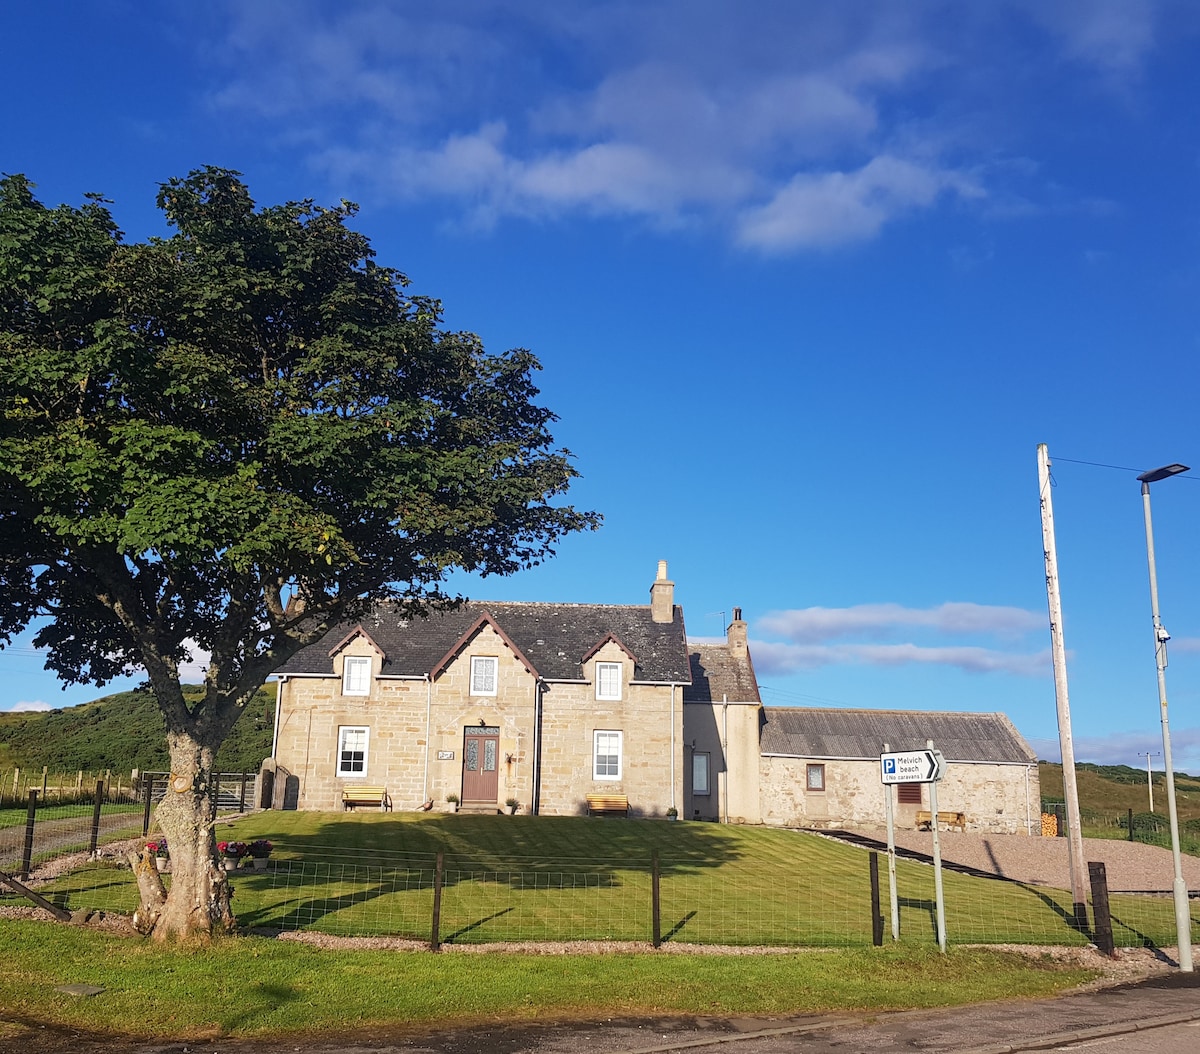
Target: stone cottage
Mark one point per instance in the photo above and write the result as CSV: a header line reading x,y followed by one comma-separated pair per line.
x,y
545,704
540,704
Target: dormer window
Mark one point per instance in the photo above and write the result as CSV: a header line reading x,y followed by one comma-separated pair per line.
x,y
356,675
608,680
483,674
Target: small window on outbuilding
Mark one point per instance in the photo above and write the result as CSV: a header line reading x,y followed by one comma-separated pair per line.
x,y
814,779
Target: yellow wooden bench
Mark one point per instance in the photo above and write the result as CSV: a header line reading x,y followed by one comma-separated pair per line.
x,y
945,819
614,804
352,796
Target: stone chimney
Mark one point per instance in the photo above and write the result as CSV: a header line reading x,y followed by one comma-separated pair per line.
x,y
662,596
735,636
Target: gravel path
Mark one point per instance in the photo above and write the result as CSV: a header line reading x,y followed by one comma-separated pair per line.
x,y
1131,866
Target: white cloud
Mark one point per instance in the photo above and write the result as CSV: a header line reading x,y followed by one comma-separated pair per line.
x,y
873,620
29,705
1185,644
825,209
1130,748
194,670
775,658
797,127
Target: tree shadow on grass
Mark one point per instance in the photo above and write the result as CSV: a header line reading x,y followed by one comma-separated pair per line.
x,y
484,843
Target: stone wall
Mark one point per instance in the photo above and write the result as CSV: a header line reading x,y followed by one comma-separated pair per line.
x,y
411,722
996,798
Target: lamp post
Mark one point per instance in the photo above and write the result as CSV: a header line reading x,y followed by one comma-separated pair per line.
x,y
1183,921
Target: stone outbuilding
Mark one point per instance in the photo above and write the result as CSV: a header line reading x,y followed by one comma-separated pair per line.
x,y
820,768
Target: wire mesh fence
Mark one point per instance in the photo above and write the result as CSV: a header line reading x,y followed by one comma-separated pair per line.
x,y
40,829
826,903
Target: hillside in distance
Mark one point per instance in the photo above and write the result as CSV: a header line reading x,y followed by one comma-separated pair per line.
x,y
122,732
1115,789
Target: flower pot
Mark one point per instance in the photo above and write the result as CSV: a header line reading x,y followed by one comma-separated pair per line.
x,y
160,862
260,863
230,862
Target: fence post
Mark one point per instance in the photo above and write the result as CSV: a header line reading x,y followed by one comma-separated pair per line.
x,y
655,900
45,777
242,795
30,820
1103,935
435,940
876,910
149,783
95,839
1131,825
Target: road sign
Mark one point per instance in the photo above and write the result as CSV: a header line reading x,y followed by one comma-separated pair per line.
x,y
911,766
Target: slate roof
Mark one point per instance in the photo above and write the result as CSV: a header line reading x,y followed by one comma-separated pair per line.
x,y
554,638
808,732
717,673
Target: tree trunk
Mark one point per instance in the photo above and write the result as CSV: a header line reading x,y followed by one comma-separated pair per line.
x,y
197,904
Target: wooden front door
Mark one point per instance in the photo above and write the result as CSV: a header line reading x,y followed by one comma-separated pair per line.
x,y
481,770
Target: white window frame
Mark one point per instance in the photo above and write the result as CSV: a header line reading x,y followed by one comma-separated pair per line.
x,y
360,683
479,662
343,771
705,757
620,752
601,669
810,770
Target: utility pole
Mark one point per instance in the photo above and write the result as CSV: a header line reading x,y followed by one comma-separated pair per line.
x,y
1149,775
1059,656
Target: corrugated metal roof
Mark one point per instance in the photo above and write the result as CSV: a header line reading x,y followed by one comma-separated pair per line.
x,y
555,638
808,732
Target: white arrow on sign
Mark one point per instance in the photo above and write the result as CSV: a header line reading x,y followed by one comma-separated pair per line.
x,y
911,766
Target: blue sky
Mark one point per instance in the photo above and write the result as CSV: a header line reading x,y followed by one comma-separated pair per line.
x,y
809,283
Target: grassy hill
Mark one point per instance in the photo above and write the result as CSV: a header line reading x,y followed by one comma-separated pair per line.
x,y
1114,789
123,732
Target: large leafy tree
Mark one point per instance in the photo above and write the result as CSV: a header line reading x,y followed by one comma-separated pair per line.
x,y
228,440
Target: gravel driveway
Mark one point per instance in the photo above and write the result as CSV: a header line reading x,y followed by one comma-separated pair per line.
x,y
1131,866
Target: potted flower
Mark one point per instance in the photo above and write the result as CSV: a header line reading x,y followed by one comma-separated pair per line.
x,y
260,849
158,848
452,798
672,813
232,853
513,805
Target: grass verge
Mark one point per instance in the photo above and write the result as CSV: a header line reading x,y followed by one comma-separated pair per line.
x,y
258,987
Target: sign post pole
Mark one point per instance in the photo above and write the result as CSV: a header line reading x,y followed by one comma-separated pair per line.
x,y
891,835
914,766
939,900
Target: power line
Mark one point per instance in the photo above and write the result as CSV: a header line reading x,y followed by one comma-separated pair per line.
x,y
1100,464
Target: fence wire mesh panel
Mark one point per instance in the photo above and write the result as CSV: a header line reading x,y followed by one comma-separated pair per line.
x,y
778,892
62,830
555,904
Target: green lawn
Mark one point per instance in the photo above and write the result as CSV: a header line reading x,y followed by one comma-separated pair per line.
x,y
572,878
252,986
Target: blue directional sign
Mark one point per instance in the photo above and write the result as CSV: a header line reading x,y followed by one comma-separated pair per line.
x,y
912,766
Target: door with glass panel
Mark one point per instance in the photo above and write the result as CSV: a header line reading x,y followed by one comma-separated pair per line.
x,y
481,776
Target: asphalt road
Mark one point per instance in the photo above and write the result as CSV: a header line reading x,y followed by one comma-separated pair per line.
x,y
1158,1016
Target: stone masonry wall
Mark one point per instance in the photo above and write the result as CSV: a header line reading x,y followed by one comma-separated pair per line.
x,y
313,709
997,798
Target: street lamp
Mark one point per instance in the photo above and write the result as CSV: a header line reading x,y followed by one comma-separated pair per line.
x,y
1183,921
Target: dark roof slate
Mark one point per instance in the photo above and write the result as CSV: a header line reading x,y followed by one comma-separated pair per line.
x,y
717,673
799,731
554,638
